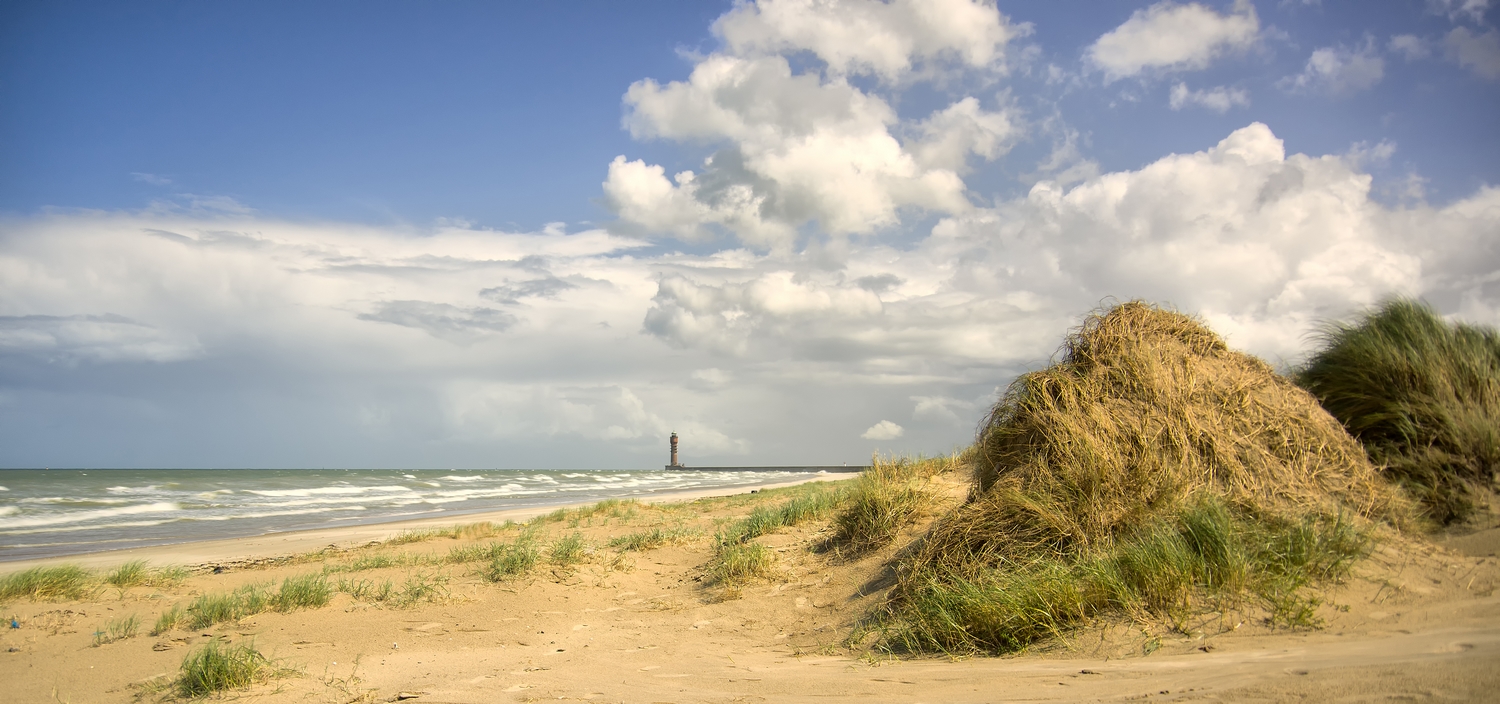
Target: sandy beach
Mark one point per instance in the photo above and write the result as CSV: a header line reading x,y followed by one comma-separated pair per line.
x,y
1418,621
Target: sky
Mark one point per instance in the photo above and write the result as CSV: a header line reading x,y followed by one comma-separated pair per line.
x,y
547,235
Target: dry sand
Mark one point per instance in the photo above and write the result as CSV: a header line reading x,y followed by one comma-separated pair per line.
x,y
1418,622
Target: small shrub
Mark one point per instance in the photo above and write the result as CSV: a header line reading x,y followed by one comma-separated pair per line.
x,y
49,584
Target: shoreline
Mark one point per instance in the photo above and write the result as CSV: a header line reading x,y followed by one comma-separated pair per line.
x,y
267,547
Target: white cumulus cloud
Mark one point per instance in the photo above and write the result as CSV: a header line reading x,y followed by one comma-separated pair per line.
x,y
1173,37
1218,99
1479,53
864,36
884,430
791,147
1339,70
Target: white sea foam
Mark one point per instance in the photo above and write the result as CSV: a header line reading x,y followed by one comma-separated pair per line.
x,y
8,510
458,478
133,489
84,516
328,490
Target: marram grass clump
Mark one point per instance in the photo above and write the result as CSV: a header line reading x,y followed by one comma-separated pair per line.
x,y
1421,394
888,497
215,668
1206,558
1148,471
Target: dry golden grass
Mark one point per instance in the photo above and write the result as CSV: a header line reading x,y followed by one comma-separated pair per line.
x,y
1144,408
1145,414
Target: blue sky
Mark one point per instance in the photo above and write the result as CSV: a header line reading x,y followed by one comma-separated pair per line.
x,y
547,234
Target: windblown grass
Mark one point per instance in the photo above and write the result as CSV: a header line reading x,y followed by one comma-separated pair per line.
x,y
764,519
168,620
137,573
568,550
1148,469
469,531
1205,559
737,559
513,560
49,584
736,563
215,668
295,593
117,629
887,497
653,538
1421,394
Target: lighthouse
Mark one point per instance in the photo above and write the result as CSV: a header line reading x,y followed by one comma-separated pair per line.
x,y
674,452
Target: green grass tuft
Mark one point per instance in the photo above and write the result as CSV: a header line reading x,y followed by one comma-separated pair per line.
x,y
885,498
736,563
215,668
1421,394
652,538
49,584
512,561
568,550
168,620
1206,558
117,629
137,573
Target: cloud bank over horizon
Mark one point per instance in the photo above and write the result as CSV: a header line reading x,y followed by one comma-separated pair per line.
x,y
837,274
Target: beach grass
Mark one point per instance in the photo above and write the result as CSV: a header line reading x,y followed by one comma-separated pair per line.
x,y
653,538
888,497
117,629
513,560
137,573
1149,472
169,619
568,550
738,559
1421,394
465,531
1207,559
217,667
307,591
735,563
49,584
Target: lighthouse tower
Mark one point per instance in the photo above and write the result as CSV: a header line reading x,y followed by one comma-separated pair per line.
x,y
674,464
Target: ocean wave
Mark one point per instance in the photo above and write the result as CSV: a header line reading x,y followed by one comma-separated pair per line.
x,y
328,490
82,516
8,510
459,478
150,488
102,526
274,514
70,501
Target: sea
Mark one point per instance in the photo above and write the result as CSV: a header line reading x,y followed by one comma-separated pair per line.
x,y
57,512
